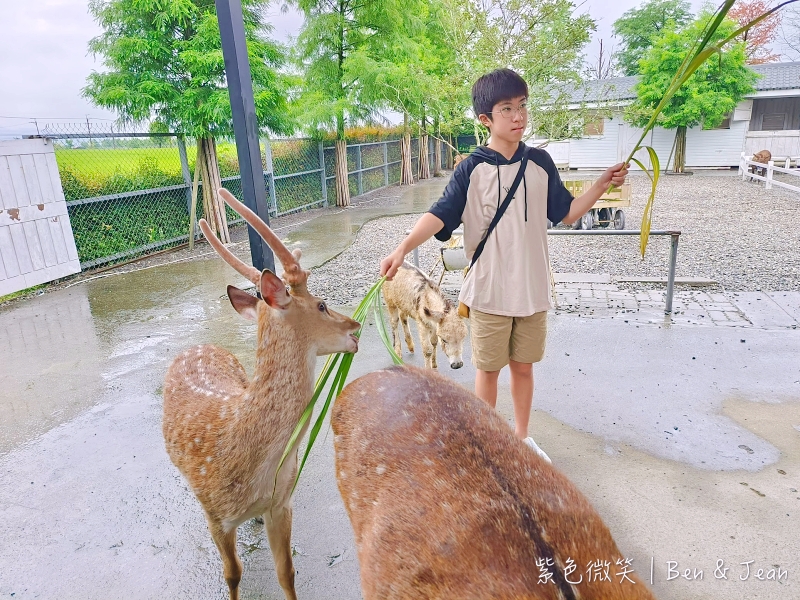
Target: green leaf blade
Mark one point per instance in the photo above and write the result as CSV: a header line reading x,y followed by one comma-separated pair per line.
x,y
372,300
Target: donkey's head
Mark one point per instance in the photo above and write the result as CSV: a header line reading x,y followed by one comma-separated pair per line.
x,y
450,328
287,299
452,332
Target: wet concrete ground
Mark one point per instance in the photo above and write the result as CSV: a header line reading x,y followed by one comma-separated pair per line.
x,y
334,229
685,438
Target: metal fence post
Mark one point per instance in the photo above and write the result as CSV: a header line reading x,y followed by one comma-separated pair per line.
x,y
273,197
187,174
323,174
673,259
245,124
415,252
358,168
385,164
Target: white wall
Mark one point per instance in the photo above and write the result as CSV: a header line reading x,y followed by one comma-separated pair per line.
x,y
596,151
615,144
715,147
704,148
779,143
662,141
558,151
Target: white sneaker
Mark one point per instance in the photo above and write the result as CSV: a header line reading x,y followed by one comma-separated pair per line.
x,y
532,445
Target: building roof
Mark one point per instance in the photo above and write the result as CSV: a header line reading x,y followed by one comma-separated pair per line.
x,y
773,76
778,76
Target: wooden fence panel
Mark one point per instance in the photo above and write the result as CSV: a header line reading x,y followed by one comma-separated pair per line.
x,y
36,241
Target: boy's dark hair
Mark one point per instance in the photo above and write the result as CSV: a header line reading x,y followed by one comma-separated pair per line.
x,y
494,87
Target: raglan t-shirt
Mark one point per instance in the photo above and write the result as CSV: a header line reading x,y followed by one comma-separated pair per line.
x,y
512,275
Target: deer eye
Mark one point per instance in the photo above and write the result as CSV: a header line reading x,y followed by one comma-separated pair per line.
x,y
322,307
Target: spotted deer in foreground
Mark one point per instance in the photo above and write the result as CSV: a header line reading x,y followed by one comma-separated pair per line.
x,y
412,294
447,503
227,433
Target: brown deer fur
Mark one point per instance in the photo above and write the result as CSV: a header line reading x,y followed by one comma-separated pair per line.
x,y
227,433
411,294
446,503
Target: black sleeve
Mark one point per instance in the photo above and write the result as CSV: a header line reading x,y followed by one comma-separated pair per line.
x,y
559,198
450,206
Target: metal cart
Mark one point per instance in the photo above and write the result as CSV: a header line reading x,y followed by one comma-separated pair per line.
x,y
607,211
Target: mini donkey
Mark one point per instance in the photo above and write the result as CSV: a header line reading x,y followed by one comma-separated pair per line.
x,y
412,294
226,433
446,503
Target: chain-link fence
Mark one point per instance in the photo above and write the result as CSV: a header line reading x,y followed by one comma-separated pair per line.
x,y
129,193
466,143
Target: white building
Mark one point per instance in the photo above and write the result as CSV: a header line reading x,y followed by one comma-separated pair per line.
x,y
768,119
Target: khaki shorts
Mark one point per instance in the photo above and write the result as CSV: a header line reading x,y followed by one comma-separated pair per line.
x,y
497,338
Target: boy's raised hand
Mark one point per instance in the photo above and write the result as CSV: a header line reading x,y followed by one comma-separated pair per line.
x,y
614,175
391,263
427,225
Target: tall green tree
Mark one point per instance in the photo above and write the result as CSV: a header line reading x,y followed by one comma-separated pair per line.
x,y
638,27
332,95
163,62
410,72
543,40
709,94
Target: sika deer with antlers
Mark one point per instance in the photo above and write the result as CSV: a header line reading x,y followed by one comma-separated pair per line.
x,y
226,433
447,503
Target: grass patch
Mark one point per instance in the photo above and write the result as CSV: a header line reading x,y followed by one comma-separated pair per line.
x,y
22,293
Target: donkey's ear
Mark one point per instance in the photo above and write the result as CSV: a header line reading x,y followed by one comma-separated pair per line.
x,y
273,290
245,304
434,315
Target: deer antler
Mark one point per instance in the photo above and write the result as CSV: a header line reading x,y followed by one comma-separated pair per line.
x,y
247,271
293,274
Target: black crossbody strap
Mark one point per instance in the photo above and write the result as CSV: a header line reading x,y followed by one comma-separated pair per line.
x,y
512,190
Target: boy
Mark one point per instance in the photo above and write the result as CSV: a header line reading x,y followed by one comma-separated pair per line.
x,y
508,287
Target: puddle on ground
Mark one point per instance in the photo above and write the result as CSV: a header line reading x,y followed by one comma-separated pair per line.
x,y
60,351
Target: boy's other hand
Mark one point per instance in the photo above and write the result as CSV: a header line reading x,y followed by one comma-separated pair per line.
x,y
391,263
614,175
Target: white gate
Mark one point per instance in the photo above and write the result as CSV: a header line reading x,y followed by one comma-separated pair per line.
x,y
36,242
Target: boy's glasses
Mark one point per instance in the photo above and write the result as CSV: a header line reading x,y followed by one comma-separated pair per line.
x,y
508,112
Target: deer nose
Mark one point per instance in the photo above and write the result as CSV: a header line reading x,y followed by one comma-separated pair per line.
x,y
456,365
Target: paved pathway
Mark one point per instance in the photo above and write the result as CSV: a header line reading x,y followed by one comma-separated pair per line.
x,y
766,310
599,296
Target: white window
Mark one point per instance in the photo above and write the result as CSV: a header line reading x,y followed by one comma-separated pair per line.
x,y
594,125
725,124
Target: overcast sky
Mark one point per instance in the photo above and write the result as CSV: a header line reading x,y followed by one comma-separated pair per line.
x,y
44,60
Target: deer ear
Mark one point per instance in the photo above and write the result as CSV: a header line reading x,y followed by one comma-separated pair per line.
x,y
434,315
273,290
245,304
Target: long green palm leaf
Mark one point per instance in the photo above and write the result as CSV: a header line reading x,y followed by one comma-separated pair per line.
x,y
327,369
372,300
380,324
335,389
